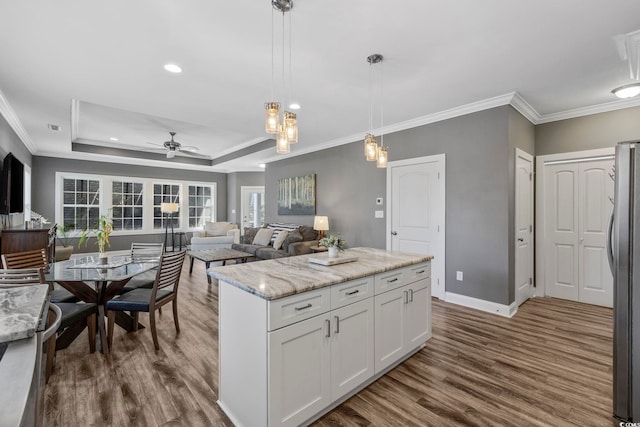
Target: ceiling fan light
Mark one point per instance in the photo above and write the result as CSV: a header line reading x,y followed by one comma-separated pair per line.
x,y
282,143
272,119
381,161
627,91
171,154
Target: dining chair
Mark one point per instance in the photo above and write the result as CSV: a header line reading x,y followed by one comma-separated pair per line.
x,y
144,252
164,290
36,258
74,315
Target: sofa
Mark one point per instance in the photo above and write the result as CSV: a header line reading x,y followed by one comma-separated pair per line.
x,y
283,240
215,235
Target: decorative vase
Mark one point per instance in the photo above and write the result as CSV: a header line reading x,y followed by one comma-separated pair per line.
x,y
63,253
333,252
104,258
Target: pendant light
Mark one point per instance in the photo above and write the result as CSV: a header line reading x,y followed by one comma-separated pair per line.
x,y
285,127
629,49
373,151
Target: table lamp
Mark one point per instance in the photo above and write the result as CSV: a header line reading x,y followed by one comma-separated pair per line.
x,y
321,224
169,208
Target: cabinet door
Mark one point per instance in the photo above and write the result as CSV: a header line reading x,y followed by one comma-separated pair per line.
x,y
352,360
299,377
418,314
389,327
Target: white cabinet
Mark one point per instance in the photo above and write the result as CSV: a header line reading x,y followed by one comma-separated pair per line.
x,y
402,322
316,361
299,377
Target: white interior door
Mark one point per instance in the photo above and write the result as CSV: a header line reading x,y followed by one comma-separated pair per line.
x,y
252,206
416,212
524,226
577,210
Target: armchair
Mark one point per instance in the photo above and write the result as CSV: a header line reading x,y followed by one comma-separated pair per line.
x,y
215,235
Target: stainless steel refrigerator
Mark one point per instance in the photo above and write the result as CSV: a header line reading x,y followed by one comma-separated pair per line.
x,y
624,256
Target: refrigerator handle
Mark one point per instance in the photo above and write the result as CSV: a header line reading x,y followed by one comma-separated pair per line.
x,y
609,240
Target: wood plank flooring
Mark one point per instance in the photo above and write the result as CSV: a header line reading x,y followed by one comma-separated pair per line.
x,y
550,365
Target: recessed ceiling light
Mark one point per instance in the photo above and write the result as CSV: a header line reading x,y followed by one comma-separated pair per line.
x,y
294,106
262,165
172,68
56,128
113,139
627,91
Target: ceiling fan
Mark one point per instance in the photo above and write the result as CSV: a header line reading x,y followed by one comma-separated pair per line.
x,y
172,147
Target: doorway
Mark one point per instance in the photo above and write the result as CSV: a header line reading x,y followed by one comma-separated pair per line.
x,y
575,194
524,226
416,212
251,206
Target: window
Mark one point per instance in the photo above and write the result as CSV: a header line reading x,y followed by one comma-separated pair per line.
x,y
81,203
200,205
165,193
127,201
133,203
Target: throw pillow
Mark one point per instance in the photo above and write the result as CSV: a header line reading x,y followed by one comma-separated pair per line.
x,y
249,234
308,233
292,237
279,227
277,244
263,237
216,228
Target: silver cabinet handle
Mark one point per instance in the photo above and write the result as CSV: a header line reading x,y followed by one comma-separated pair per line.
x,y
394,233
328,322
352,292
421,272
410,295
392,280
406,297
520,239
304,307
337,324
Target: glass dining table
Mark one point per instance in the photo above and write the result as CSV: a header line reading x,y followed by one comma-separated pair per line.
x,y
94,282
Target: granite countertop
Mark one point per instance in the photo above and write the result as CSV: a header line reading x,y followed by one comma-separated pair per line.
x,y
20,311
278,278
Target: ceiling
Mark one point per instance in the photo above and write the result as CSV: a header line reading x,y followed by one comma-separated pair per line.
x,y
96,70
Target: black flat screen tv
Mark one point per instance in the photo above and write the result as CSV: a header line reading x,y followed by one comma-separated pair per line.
x,y
12,186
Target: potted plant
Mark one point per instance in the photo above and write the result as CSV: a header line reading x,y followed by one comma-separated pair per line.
x,y
105,227
334,243
64,235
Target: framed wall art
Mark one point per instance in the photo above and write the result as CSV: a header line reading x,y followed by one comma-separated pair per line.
x,y
297,196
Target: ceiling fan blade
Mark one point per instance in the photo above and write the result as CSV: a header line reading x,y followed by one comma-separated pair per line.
x,y
192,154
188,148
156,144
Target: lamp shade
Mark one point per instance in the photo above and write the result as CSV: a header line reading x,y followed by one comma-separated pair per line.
x,y
169,207
321,223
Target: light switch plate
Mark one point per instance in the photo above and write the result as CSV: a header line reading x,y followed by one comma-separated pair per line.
x,y
379,200
379,214
459,275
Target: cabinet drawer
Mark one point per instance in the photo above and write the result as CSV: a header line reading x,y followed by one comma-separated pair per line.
x,y
350,292
384,282
285,311
417,272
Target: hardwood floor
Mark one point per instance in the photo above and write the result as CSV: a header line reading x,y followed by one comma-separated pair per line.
x,y
550,365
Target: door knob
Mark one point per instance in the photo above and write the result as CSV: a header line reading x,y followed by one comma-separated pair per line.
x,y
394,233
520,239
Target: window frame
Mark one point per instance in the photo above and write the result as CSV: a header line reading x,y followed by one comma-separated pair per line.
x,y
106,196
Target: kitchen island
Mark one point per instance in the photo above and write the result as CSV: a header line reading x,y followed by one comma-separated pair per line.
x,y
296,338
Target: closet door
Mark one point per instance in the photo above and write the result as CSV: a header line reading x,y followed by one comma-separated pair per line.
x,y
577,212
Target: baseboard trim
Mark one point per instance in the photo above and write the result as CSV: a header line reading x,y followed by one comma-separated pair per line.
x,y
480,304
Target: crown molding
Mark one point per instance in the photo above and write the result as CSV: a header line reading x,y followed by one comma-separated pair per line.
x,y
523,107
12,118
587,111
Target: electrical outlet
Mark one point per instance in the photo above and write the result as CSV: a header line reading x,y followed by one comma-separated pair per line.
x,y
459,275
379,214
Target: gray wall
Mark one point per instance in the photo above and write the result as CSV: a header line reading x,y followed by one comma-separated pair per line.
x,y
235,181
522,136
589,132
43,189
477,188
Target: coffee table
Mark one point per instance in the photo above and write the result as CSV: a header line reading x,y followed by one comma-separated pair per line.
x,y
216,255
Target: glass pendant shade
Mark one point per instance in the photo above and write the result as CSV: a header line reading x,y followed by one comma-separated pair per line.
x,y
627,91
272,120
370,147
290,123
381,161
282,143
